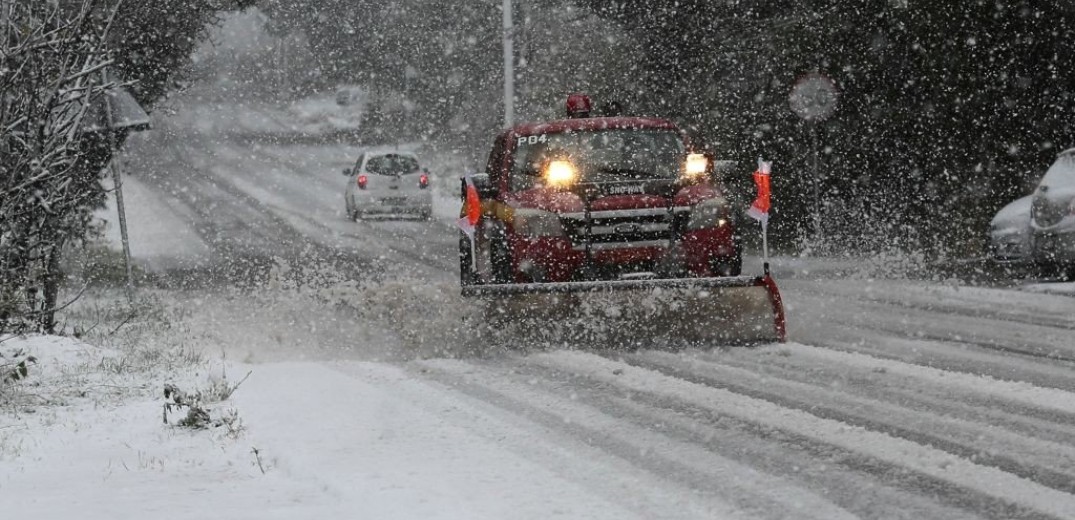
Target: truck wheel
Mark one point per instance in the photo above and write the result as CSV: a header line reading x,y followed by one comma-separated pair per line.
x,y
503,272
467,276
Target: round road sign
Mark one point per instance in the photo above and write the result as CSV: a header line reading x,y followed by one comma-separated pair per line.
x,y
813,97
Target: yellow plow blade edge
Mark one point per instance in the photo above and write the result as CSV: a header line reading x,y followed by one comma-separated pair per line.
x,y
629,313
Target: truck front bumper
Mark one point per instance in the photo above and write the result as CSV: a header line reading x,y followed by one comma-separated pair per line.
x,y
556,259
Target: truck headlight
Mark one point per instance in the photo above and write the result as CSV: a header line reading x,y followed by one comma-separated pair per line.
x,y
560,173
537,223
695,166
709,214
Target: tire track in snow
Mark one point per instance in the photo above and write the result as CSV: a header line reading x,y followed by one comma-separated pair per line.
x,y
949,355
751,494
820,303
864,488
931,462
960,301
276,198
1026,394
1024,340
422,250
241,247
237,225
205,194
1047,463
406,438
785,365
497,420
427,251
989,315
842,326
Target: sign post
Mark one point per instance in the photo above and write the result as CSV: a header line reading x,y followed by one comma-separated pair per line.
x,y
814,98
114,111
117,184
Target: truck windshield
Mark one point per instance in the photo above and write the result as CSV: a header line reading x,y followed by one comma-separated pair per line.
x,y
601,155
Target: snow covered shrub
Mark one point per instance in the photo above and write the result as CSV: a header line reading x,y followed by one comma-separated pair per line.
x,y
175,399
148,338
92,264
14,367
43,371
198,414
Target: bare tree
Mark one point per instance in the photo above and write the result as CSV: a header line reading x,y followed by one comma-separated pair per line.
x,y
51,54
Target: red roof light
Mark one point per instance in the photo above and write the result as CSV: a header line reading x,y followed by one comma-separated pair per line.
x,y
578,105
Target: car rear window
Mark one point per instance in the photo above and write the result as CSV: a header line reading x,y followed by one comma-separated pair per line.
x,y
391,164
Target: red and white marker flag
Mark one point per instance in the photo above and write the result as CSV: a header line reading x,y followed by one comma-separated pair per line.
x,y
471,209
759,210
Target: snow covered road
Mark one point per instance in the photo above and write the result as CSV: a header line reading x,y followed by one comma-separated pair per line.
x,y
894,398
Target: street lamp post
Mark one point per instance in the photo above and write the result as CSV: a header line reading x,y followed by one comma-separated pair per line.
x,y
509,66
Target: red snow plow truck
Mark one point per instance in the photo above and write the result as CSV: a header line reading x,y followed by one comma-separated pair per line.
x,y
609,227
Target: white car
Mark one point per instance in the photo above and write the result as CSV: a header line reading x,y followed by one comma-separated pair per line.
x,y
1009,231
1052,223
388,183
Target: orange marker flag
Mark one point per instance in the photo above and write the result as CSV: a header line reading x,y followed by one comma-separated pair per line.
x,y
759,210
472,209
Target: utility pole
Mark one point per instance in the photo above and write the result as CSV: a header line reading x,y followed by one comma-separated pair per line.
x,y
509,67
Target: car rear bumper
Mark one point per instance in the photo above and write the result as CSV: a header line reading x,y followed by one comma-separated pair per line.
x,y
394,205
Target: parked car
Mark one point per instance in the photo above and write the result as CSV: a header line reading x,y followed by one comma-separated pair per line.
x,y
1009,231
348,95
1052,223
388,183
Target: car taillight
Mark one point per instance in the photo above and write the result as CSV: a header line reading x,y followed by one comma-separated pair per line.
x,y
362,179
423,181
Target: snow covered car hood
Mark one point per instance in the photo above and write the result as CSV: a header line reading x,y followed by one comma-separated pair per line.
x,y
1009,231
1052,207
1014,216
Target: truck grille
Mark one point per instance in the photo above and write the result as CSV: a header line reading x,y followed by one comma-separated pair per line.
x,y
649,227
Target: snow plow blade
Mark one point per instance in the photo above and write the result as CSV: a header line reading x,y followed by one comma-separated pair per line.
x,y
695,311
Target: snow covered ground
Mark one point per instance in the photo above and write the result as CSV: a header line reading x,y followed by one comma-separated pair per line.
x,y
159,237
894,399
783,431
